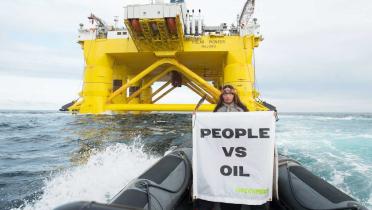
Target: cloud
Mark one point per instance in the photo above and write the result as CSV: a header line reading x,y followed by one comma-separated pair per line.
x,y
41,36
316,49
28,93
55,16
321,104
39,60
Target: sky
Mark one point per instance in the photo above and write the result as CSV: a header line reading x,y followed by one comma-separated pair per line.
x,y
315,57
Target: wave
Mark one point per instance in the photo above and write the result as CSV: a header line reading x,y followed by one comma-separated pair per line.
x,y
21,173
4,125
347,171
322,142
104,175
328,117
353,136
38,114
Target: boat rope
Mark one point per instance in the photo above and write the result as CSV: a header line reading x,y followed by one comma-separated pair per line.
x,y
86,57
255,84
146,183
286,161
90,46
197,107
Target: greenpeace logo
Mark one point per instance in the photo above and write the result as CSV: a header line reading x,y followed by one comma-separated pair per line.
x,y
228,133
252,191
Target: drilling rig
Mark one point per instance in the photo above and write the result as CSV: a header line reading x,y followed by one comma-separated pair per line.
x,y
168,43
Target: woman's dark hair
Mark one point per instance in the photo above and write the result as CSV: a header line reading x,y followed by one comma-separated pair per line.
x,y
236,99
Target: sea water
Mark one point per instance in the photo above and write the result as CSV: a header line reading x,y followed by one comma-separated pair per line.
x,y
50,158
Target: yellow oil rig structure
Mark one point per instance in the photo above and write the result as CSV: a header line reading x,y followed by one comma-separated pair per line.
x,y
165,42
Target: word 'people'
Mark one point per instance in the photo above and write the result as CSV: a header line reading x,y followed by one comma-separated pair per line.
x,y
228,133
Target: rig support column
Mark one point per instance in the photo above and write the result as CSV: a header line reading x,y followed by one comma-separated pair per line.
x,y
120,75
239,73
97,83
132,89
146,94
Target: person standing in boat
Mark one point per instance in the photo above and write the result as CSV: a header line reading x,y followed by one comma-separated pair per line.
x,y
229,101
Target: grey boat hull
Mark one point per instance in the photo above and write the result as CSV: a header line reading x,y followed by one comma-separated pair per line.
x,y
167,185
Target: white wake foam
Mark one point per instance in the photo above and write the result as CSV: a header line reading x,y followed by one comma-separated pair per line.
x,y
100,179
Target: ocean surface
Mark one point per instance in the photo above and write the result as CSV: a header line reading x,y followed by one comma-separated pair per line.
x,y
50,158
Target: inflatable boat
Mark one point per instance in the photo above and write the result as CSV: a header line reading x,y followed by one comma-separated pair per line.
x,y
167,185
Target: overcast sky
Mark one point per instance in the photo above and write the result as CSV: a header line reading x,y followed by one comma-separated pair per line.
x,y
316,56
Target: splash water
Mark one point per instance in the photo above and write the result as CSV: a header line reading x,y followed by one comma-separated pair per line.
x,y
104,174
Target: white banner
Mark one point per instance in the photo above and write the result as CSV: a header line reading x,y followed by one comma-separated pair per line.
x,y
233,157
